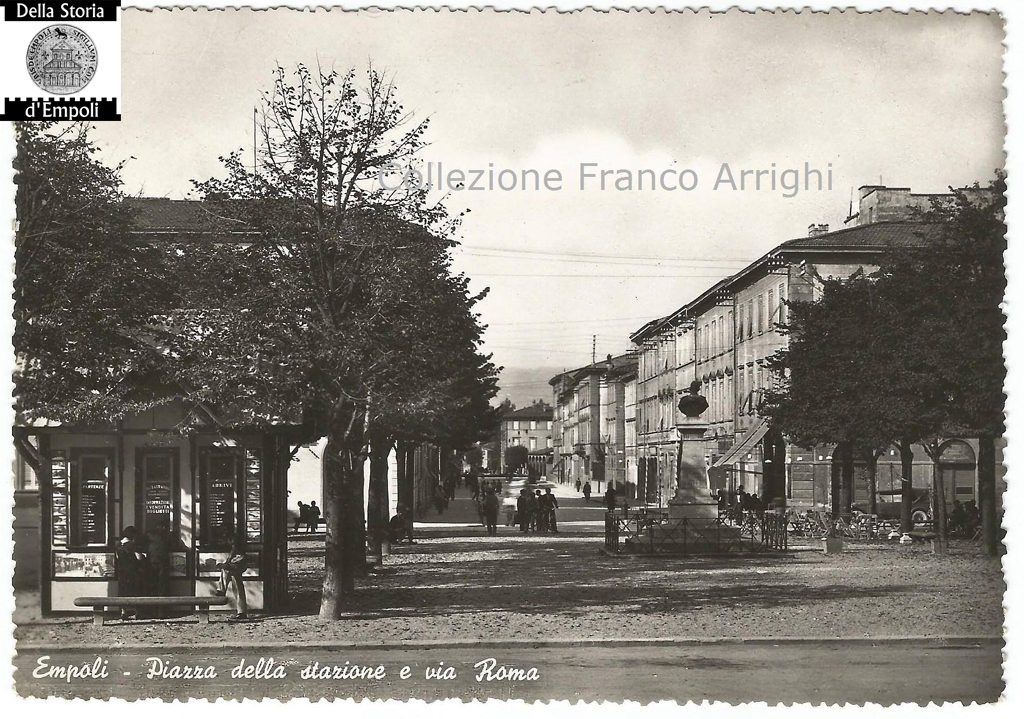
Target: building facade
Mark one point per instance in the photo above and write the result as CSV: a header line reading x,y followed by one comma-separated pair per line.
x,y
736,328
531,427
589,434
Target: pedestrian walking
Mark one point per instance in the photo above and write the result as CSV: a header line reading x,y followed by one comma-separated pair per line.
x,y
531,503
523,509
578,484
302,517
610,497
552,505
440,501
312,517
541,515
491,506
586,491
478,503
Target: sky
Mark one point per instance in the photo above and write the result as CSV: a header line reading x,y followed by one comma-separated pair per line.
x,y
904,100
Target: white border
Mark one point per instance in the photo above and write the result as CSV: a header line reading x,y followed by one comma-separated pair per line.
x,y
1013,11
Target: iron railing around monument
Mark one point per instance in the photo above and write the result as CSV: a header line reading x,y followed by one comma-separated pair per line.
x,y
651,531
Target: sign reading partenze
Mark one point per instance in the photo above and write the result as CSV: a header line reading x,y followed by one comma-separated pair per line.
x,y
70,60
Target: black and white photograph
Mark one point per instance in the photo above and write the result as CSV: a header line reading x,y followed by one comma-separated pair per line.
x,y
594,356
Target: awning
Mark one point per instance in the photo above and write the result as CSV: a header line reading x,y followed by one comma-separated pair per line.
x,y
744,445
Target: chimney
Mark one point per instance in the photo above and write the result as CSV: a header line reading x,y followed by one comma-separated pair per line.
x,y
817,230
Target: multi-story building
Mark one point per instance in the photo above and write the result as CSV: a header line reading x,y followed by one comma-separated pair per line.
x,y
530,427
612,393
586,447
666,351
735,329
629,427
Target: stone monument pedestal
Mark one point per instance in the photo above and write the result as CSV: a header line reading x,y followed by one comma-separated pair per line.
x,y
693,526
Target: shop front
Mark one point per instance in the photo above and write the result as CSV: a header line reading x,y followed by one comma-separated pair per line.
x,y
201,489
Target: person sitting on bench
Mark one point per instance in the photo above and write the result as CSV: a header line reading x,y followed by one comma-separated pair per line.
x,y
129,567
231,572
400,528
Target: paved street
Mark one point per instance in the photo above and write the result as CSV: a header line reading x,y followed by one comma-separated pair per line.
x,y
478,588
796,672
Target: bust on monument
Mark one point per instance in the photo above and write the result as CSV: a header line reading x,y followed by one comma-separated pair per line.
x,y
693,404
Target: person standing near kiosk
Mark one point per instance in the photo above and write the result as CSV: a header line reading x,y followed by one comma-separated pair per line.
x,y
231,573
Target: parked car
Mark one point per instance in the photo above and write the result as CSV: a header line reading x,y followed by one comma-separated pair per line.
x,y
890,504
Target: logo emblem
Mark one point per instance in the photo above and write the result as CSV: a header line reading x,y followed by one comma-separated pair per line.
x,y
61,59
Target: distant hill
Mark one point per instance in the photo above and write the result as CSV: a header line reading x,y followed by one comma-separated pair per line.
x,y
524,384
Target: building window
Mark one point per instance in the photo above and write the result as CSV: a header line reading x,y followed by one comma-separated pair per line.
x,y
219,482
515,424
714,337
533,424
156,489
728,398
739,322
533,443
91,497
771,307
782,302
750,317
760,314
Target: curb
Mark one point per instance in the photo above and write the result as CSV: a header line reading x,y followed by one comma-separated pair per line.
x,y
520,643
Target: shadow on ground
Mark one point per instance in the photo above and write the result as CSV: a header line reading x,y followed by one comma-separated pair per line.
x,y
566,576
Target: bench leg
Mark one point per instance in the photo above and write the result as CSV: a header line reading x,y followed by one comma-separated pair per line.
x,y
203,611
97,616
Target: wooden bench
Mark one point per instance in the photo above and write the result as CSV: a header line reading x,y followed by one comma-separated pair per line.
x,y
99,604
920,535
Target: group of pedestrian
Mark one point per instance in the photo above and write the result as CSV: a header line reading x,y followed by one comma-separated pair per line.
x,y
739,502
479,487
142,563
308,517
535,511
964,518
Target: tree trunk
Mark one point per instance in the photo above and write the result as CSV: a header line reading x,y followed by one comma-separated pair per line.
x,y
406,488
774,448
872,466
987,493
938,502
837,484
377,499
906,486
342,476
357,527
846,467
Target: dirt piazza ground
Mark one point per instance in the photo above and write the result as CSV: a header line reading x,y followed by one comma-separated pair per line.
x,y
473,588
